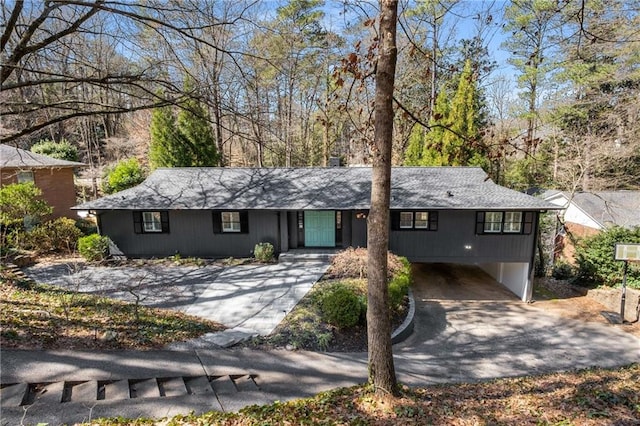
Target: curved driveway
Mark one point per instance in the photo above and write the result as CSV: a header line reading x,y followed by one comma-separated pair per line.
x,y
468,327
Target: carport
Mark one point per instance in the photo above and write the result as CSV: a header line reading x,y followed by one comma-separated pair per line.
x,y
449,281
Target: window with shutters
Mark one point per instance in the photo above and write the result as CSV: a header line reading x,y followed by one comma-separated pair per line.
x,y
151,222
414,220
507,222
231,222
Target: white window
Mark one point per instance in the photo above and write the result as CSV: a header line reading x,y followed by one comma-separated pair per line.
x,y
513,222
231,222
493,222
406,220
152,221
24,177
421,220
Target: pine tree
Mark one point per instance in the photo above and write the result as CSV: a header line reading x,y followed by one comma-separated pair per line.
x,y
187,141
433,153
413,153
165,139
452,140
195,128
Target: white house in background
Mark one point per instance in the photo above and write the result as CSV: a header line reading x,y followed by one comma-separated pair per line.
x,y
587,213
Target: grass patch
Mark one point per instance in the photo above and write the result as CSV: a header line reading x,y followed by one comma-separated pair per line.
x,y
42,316
586,397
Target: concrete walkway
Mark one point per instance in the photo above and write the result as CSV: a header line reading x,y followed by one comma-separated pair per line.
x,y
252,300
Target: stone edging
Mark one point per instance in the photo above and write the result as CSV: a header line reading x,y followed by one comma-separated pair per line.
x,y
401,333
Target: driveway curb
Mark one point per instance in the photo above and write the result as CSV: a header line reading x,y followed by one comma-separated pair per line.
x,y
401,333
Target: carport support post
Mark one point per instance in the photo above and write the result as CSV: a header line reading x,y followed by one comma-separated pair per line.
x,y
624,291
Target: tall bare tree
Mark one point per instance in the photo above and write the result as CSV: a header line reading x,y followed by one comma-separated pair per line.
x,y
381,368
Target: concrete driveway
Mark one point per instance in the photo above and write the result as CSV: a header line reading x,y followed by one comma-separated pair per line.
x,y
468,327
250,298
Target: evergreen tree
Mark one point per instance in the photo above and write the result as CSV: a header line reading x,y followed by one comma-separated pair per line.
x,y
187,141
454,134
433,154
195,129
165,140
413,153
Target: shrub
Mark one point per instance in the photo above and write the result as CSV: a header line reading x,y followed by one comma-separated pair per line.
x,y
58,235
94,247
62,150
126,174
20,204
87,226
352,263
595,258
562,271
341,306
263,252
399,285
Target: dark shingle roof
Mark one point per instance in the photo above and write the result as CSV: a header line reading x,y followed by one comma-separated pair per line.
x,y
10,156
314,188
620,208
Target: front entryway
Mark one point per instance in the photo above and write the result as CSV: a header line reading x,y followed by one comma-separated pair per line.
x,y
320,228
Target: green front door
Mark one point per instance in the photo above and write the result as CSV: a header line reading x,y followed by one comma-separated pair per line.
x,y
320,229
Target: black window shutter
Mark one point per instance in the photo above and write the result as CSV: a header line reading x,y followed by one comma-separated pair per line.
x,y
164,221
433,221
217,222
395,220
479,222
528,222
137,222
244,222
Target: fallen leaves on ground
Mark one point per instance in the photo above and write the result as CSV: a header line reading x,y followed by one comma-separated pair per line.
x,y
37,316
587,397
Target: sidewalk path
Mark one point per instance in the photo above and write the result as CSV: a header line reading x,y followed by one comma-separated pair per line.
x,y
256,297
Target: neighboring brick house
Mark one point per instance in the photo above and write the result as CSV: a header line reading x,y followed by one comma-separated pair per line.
x,y
587,213
54,177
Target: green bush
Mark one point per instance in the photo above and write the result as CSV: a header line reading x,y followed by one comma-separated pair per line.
x,y
341,306
87,226
58,235
126,174
562,271
399,285
94,247
62,150
263,252
595,258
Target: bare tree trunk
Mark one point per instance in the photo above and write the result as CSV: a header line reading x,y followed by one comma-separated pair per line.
x,y
381,369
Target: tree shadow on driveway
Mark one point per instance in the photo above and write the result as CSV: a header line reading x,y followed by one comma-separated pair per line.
x,y
158,286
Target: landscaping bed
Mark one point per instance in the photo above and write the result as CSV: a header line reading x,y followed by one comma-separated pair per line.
x,y
306,326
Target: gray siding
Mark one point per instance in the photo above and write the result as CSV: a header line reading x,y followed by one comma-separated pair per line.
x,y
191,234
358,230
451,242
